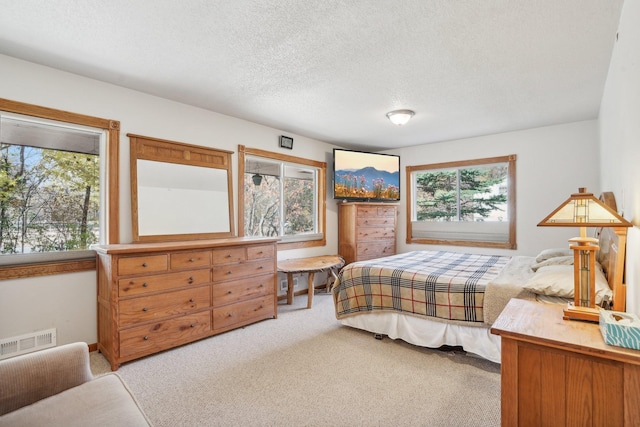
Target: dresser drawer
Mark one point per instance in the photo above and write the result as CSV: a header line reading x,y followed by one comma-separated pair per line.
x,y
372,211
184,260
367,211
376,221
236,271
375,250
228,255
147,308
147,339
243,312
232,292
143,264
375,233
387,211
161,282
260,252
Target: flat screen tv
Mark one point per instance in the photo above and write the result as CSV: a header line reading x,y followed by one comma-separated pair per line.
x,y
362,176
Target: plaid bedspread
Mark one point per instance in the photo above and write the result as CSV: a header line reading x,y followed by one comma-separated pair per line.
x,y
446,285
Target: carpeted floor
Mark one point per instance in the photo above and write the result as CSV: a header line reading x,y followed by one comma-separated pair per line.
x,y
306,369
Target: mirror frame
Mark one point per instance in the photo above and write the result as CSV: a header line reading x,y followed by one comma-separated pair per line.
x,y
160,150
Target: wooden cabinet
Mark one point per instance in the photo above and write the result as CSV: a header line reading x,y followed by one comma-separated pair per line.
x,y
366,230
559,372
155,296
243,285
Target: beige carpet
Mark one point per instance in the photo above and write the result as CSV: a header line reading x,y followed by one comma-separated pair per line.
x,y
306,369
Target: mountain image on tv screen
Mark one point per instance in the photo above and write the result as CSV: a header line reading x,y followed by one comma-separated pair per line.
x,y
360,175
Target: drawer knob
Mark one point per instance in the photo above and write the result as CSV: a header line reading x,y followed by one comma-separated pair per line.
x,y
190,280
146,338
192,325
191,260
260,253
144,264
229,272
261,285
144,308
191,300
229,315
261,267
144,285
228,255
229,292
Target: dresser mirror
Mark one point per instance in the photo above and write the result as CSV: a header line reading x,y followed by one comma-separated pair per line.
x,y
179,191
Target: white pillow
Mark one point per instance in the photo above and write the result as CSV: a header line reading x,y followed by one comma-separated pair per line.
x,y
559,260
552,253
557,280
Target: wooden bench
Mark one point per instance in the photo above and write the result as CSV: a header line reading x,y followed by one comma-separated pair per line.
x,y
311,266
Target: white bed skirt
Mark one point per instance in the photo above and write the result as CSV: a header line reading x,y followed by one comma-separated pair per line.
x,y
429,333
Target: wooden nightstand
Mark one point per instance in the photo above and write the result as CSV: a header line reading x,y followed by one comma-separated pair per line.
x,y
560,372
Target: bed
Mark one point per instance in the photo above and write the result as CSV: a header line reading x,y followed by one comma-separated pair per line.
x,y
438,298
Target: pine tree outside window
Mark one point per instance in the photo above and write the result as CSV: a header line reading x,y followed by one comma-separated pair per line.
x,y
469,203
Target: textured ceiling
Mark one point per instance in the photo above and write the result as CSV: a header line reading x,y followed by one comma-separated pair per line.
x,y
331,69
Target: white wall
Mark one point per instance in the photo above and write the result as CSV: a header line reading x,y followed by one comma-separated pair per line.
x,y
620,138
552,162
68,302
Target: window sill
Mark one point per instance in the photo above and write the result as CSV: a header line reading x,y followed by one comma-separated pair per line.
x,y
22,271
470,243
285,246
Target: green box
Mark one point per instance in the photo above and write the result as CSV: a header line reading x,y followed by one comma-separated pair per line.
x,y
620,329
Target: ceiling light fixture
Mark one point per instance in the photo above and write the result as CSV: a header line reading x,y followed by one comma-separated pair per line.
x,y
400,117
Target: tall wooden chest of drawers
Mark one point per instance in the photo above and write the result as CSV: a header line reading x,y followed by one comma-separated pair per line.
x,y
366,230
155,296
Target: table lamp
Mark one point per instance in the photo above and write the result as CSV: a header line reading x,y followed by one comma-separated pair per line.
x,y
583,210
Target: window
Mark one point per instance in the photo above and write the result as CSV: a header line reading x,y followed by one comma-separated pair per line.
x,y
469,203
281,196
57,196
49,186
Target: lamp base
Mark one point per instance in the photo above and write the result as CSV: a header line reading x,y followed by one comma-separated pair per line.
x,y
571,312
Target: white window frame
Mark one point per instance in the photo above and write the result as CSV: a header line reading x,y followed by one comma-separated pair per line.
x,y
39,257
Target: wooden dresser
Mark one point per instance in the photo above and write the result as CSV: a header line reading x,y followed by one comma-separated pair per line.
x,y
561,373
155,296
366,230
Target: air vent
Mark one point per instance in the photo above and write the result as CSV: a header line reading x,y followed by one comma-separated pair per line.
x,y
284,284
27,343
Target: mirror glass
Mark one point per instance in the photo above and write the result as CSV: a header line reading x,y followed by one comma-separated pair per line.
x,y
181,199
179,191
